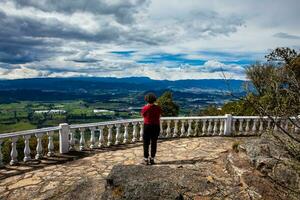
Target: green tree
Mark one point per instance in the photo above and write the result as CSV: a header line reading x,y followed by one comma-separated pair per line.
x,y
277,94
169,107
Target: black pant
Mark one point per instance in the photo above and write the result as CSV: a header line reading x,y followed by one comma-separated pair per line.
x,y
151,133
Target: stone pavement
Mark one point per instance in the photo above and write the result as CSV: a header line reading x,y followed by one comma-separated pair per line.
x,y
86,174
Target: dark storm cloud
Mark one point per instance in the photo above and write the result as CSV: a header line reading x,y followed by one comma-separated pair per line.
x,y
122,10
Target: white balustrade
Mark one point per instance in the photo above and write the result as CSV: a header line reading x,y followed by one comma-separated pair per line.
x,y
14,152
118,134
168,131
261,126
221,127
72,140
182,130
141,130
82,139
109,135
254,126
269,124
190,130
204,127
175,131
247,129
196,130
233,125
50,144
161,128
286,125
125,133
189,126
26,148
240,126
215,129
101,138
209,129
39,147
92,139
135,131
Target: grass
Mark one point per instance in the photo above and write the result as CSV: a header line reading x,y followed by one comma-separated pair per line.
x,y
20,126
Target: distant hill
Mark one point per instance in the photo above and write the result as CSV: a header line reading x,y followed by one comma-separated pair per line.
x,y
131,83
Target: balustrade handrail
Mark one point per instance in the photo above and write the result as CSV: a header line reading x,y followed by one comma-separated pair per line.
x,y
105,123
120,132
28,132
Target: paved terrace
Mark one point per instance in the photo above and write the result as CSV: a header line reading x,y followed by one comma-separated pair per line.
x,y
61,178
81,174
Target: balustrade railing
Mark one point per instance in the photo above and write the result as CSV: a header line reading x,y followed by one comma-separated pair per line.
x,y
105,134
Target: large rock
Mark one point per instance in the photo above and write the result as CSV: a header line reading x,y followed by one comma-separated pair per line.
x,y
273,160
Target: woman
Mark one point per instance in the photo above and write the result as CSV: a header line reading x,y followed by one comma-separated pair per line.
x,y
151,114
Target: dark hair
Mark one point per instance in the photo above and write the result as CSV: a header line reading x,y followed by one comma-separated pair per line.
x,y
150,98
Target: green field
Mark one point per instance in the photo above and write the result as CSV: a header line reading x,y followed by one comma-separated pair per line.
x,y
22,116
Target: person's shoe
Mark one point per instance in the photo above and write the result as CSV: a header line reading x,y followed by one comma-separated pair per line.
x,y
145,161
151,161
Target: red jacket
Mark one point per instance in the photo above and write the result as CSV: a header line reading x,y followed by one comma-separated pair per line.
x,y
151,114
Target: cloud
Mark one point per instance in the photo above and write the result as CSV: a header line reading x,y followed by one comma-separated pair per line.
x,y
286,36
161,39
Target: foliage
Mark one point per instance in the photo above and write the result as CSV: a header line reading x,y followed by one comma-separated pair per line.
x,y
277,94
169,107
240,107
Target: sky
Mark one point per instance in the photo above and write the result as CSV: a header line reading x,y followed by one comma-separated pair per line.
x,y
160,39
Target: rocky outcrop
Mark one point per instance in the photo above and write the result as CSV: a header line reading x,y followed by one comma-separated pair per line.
x,y
229,176
274,162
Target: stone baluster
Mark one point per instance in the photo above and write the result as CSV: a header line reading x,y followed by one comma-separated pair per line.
x,y
72,139
39,147
209,129
50,144
125,133
101,138
233,125
190,130
241,126
275,126
254,126
109,136
118,134
168,131
92,139
14,152
182,130
204,127
135,131
269,124
161,127
215,129
286,125
247,129
282,123
261,125
196,130
141,130
27,151
1,155
221,127
82,139
175,132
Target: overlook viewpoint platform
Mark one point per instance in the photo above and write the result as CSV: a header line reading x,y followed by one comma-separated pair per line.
x,y
88,152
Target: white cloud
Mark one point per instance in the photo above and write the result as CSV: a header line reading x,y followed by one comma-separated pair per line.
x,y
75,38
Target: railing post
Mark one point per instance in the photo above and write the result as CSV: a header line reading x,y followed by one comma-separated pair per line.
x,y
64,138
228,122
